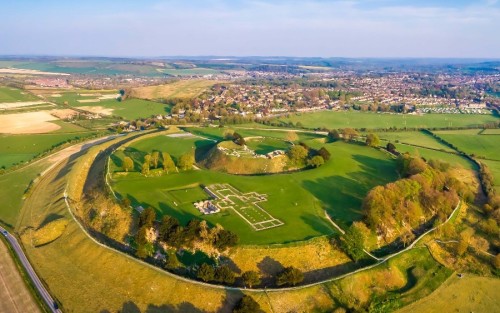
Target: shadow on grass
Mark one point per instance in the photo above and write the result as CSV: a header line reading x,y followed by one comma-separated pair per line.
x,y
50,218
231,298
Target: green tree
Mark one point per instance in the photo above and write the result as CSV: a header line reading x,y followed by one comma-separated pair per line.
x,y
238,139
147,217
186,161
372,140
352,243
290,275
147,159
292,136
316,161
171,261
297,154
391,147
224,239
325,154
145,168
205,272
224,274
250,278
247,305
333,135
155,157
142,251
128,164
168,163
349,134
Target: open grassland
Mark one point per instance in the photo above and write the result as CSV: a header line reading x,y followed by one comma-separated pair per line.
x,y
14,294
217,133
12,188
483,146
162,143
104,102
16,149
10,94
329,119
403,279
467,294
178,89
298,199
265,145
494,167
114,282
428,154
414,138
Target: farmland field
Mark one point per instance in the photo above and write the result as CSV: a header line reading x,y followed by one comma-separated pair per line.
x,y
486,146
129,109
297,199
329,119
8,94
414,138
14,294
15,149
178,89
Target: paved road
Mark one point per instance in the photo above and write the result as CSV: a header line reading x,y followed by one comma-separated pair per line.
x,y
29,269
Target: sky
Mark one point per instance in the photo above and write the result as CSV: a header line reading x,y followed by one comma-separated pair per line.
x,y
315,28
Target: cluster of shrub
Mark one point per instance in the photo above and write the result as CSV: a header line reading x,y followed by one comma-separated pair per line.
x,y
185,162
301,154
173,234
223,274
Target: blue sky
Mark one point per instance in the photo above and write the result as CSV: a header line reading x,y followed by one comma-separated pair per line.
x,y
336,28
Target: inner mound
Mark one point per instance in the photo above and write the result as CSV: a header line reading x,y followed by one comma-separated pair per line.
x,y
255,155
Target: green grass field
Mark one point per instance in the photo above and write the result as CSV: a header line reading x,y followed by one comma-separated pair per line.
x,y
162,143
486,146
351,119
15,149
297,199
266,145
128,109
9,94
453,159
217,133
414,138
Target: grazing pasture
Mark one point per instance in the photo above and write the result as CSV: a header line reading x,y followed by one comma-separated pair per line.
x,y
330,119
414,138
15,149
484,146
104,102
10,95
